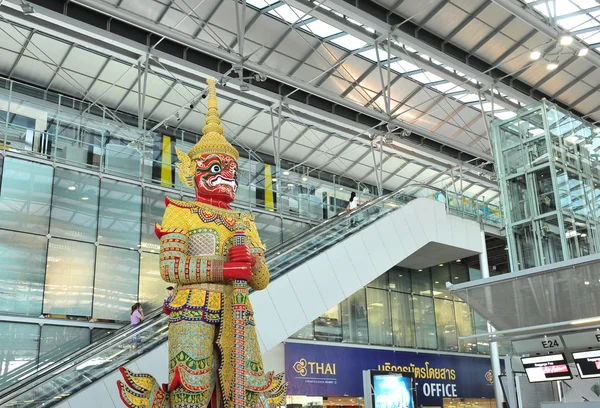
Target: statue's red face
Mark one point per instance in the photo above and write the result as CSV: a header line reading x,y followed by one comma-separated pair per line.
x,y
216,178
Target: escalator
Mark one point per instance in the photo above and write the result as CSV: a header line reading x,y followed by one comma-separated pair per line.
x,y
310,273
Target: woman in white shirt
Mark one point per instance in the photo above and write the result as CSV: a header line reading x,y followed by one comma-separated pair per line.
x,y
353,203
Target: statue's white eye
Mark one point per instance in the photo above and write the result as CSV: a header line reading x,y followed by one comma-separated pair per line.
x,y
215,168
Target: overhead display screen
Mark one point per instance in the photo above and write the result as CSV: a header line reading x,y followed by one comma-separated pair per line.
x,y
546,368
588,363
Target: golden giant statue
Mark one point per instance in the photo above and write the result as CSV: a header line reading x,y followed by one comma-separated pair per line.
x,y
212,253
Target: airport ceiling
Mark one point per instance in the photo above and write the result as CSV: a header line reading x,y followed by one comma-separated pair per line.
x,y
420,80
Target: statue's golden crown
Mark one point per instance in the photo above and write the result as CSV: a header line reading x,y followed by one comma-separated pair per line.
x,y
212,140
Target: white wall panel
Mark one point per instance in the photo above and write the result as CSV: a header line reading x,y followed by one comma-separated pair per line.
x,y
96,395
307,292
345,272
282,293
327,282
267,319
359,256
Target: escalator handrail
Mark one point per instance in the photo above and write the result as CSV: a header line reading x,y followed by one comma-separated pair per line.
x,y
149,322
71,360
295,242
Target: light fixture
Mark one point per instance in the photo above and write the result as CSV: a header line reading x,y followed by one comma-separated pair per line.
x,y
72,188
441,264
27,8
535,55
85,198
597,130
286,173
552,66
566,40
586,283
583,52
585,321
420,270
506,248
341,188
274,179
290,185
304,178
458,260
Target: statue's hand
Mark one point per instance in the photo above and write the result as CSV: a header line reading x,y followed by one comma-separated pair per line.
x,y
237,270
241,253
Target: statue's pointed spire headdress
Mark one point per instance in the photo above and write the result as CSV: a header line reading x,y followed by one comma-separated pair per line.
x,y
212,140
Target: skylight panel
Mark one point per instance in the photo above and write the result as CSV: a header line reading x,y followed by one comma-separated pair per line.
x,y
447,87
426,77
354,22
505,115
289,14
372,55
585,4
403,66
410,49
562,7
349,42
321,29
590,38
579,22
261,4
468,98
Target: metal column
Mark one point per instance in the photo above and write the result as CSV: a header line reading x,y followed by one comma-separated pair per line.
x,y
494,356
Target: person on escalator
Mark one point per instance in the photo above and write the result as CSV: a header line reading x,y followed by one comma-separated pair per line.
x,y
352,204
137,316
170,291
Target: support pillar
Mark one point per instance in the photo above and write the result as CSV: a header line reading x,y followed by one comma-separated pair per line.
x,y
494,356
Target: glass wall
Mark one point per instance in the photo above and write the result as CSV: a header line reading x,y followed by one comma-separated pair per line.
x,y
73,132
404,308
77,246
549,175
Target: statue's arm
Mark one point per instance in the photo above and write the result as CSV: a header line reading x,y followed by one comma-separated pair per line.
x,y
260,272
176,266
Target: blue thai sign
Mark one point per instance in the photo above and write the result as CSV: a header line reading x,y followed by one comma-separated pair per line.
x,y
318,370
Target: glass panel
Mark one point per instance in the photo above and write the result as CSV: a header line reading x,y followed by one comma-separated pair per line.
x,y
69,278
152,213
403,323
98,334
380,325
446,325
400,279
305,333
354,318
269,229
421,281
465,326
58,340
22,273
440,275
328,326
20,343
424,322
483,346
75,205
120,214
115,284
380,283
153,290
293,228
25,196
